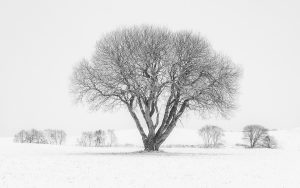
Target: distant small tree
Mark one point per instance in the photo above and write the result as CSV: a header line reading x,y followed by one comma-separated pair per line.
x,y
55,136
211,135
112,138
99,138
31,136
255,135
21,137
61,136
87,139
50,136
38,137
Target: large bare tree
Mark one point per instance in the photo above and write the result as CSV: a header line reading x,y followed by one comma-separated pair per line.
x,y
158,75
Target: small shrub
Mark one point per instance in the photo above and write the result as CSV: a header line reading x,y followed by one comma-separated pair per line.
x,y
269,142
57,137
87,139
97,138
211,136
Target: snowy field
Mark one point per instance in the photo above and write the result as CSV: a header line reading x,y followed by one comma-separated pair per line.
x,y
32,165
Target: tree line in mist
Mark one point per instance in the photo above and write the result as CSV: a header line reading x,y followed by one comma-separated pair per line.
x,y
255,136
58,137
48,136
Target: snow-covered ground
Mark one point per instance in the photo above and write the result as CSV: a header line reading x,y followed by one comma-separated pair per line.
x,y
32,165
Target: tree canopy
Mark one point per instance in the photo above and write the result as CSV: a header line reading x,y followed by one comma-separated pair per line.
x,y
157,75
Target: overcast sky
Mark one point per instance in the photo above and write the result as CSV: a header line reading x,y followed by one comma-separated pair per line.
x,y
41,41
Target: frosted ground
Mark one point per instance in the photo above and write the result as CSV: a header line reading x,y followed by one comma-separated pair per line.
x,y
31,165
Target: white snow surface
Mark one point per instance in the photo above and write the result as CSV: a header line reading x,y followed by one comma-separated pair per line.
x,y
33,165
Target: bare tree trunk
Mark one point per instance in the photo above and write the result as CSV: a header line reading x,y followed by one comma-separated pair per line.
x,y
151,145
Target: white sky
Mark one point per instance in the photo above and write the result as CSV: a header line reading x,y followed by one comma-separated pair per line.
x,y
41,41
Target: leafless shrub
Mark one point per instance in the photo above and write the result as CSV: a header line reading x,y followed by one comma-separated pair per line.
x,y
87,139
38,136
211,136
21,137
31,136
92,139
269,142
54,136
147,68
